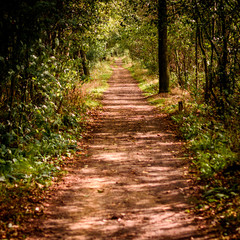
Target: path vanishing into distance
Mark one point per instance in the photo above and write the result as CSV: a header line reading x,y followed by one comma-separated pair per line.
x,y
131,185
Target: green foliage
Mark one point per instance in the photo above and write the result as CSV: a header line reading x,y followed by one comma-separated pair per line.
x,y
215,148
44,59
202,46
216,159
28,151
209,139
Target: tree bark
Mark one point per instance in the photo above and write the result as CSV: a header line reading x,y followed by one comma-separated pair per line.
x,y
162,47
84,63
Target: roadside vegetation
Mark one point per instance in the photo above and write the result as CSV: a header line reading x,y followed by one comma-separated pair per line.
x,y
43,157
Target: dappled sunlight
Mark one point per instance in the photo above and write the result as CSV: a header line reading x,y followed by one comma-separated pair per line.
x,y
131,185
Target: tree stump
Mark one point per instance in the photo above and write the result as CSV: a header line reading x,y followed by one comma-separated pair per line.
x,y
180,106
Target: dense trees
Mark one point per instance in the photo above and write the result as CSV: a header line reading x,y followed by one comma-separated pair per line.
x,y
203,44
215,26
45,49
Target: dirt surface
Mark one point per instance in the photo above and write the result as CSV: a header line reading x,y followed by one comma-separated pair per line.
x,y
131,186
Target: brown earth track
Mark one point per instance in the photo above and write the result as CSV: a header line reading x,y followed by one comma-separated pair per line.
x,y
131,186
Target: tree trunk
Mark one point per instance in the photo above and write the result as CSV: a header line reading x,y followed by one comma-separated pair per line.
x,y
84,63
196,57
162,47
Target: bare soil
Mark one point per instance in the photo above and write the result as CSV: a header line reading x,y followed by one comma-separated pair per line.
x,y
131,186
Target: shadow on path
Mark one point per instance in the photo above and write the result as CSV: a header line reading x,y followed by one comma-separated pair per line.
x,y
131,185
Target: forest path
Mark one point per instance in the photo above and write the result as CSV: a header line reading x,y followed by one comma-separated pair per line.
x,y
131,186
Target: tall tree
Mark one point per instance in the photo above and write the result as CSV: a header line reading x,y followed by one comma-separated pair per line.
x,y
162,47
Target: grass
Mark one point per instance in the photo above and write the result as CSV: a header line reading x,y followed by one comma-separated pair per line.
x,y
213,147
149,84
96,88
87,95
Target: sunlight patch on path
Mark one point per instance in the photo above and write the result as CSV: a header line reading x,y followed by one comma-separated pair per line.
x,y
131,186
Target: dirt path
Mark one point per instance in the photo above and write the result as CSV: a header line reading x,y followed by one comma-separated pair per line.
x,y
131,185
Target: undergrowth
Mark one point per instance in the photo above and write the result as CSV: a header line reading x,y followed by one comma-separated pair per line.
x,y
32,155
34,148
213,143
